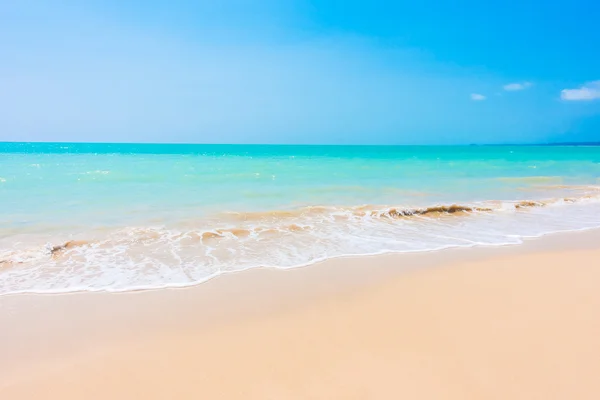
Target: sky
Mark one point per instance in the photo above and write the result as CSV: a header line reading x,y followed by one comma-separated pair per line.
x,y
300,72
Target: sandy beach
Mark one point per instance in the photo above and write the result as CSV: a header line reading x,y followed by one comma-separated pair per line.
x,y
299,200
514,322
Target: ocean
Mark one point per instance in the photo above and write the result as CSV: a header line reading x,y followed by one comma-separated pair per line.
x,y
117,217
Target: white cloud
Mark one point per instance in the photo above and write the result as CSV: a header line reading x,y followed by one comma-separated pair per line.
x,y
589,91
512,87
477,97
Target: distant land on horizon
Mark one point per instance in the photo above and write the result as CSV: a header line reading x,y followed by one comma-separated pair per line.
x,y
575,144
545,144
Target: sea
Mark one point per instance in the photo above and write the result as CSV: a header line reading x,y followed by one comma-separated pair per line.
x,y
119,217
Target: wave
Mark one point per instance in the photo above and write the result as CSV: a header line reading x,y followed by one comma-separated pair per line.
x,y
334,213
401,212
152,257
58,249
279,224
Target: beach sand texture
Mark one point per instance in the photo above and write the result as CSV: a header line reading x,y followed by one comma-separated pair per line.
x,y
519,322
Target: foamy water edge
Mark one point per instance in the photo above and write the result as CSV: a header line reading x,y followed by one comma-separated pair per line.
x,y
517,239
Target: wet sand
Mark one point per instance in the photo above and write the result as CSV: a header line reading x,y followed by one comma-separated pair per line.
x,y
518,322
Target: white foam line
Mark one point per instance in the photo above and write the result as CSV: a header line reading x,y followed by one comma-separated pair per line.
x,y
134,288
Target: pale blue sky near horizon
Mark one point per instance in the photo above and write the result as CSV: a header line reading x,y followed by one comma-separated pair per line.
x,y
294,71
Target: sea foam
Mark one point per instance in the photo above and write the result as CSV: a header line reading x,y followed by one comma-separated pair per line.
x,y
152,257
128,216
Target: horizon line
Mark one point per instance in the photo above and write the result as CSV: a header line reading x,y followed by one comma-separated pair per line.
x,y
303,144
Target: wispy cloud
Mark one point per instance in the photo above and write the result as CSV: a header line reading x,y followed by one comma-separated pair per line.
x,y
477,97
588,91
513,87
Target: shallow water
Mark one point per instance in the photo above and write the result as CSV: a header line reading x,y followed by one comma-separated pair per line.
x,y
117,217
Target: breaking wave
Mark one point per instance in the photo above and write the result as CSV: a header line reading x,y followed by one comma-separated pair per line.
x,y
167,256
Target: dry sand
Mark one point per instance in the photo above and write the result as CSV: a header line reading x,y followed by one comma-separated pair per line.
x,y
519,322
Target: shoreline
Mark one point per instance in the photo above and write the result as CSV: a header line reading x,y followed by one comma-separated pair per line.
x,y
476,246
48,335
130,258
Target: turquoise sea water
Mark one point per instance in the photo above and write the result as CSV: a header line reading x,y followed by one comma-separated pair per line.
x,y
126,216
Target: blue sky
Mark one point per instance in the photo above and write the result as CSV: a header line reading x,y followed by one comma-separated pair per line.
x,y
349,72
